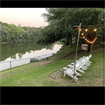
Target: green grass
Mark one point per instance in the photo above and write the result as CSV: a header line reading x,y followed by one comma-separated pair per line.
x,y
32,75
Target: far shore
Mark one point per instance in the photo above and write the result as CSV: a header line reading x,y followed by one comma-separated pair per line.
x,y
13,42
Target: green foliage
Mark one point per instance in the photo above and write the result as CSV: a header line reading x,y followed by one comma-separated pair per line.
x,y
62,20
32,75
10,50
12,33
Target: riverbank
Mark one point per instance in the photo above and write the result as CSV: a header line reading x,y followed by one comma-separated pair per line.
x,y
13,42
24,53
32,75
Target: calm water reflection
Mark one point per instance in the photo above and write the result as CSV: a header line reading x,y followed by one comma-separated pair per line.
x,y
9,52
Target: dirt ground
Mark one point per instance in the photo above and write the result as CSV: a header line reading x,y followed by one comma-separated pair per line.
x,y
46,62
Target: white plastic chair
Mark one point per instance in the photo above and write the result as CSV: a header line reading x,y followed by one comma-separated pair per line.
x,y
81,64
77,66
70,73
88,63
69,69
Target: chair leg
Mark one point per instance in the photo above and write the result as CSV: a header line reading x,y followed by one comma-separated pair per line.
x,y
64,74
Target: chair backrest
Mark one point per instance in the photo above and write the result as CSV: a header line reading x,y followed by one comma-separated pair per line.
x,y
78,64
90,56
81,62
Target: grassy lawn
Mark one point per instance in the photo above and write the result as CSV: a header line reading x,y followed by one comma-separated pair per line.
x,y
32,75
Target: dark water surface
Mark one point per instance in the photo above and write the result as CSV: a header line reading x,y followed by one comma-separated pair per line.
x,y
11,52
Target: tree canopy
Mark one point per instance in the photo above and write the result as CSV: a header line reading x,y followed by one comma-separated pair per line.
x,y
17,34
62,20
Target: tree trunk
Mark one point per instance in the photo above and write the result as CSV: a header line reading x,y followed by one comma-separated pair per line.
x,y
70,41
90,46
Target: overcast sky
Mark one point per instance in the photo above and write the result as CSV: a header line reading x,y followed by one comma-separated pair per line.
x,y
23,16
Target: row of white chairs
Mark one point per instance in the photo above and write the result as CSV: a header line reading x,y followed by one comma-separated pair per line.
x,y
81,65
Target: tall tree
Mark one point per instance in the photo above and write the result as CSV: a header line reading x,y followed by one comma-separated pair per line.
x,y
62,21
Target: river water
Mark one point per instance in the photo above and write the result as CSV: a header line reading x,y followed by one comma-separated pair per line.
x,y
20,54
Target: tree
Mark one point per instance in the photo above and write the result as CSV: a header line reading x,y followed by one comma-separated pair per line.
x,y
89,35
62,21
12,32
57,19
19,33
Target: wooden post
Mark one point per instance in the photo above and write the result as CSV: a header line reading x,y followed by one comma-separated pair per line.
x,y
76,50
10,67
